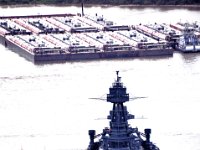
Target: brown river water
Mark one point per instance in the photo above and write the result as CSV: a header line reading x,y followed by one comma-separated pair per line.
x,y
47,106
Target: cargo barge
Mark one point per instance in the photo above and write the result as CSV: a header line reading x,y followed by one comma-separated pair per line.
x,y
69,37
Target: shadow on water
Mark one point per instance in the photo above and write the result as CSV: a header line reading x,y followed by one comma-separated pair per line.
x,y
146,58
161,7
190,57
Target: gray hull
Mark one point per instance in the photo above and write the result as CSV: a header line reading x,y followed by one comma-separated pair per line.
x,y
84,56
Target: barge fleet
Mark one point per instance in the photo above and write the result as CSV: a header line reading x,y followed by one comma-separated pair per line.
x,y
66,37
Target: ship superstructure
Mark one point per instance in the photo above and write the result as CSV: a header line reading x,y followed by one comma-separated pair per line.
x,y
120,135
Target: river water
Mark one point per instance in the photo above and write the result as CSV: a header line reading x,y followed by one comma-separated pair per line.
x,y
47,106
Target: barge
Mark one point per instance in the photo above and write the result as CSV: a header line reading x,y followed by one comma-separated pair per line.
x,y
69,37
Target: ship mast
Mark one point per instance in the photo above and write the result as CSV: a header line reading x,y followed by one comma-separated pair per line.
x,y
120,135
82,6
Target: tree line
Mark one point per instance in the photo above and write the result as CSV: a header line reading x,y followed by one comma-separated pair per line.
x,y
110,2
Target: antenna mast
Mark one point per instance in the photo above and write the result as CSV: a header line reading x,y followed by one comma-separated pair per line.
x,y
82,7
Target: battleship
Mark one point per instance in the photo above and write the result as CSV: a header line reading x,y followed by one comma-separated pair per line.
x,y
120,135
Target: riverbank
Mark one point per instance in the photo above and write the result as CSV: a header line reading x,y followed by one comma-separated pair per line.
x,y
193,6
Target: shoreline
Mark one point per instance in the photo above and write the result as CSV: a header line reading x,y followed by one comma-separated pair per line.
x,y
104,5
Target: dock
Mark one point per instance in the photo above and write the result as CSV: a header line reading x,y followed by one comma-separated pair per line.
x,y
69,37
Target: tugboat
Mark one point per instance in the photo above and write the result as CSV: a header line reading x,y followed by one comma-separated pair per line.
x,y
120,136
